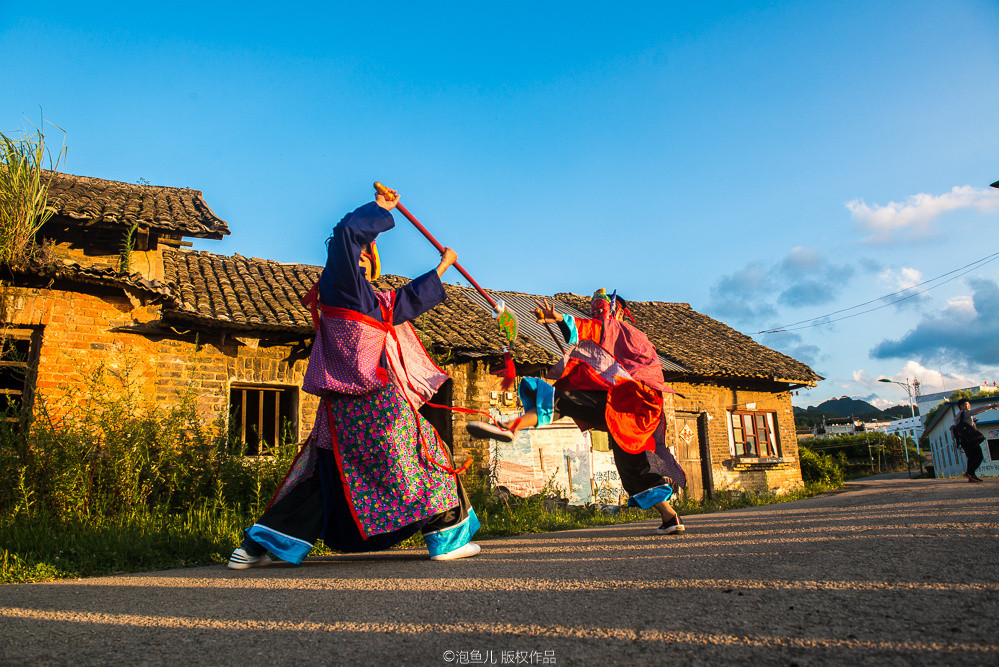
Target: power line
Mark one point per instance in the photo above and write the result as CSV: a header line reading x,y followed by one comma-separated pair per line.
x,y
815,321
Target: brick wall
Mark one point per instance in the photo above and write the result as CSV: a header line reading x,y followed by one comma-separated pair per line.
x,y
79,347
728,472
476,388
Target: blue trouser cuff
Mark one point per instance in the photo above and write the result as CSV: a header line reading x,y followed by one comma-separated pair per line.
x,y
536,394
455,537
283,546
651,497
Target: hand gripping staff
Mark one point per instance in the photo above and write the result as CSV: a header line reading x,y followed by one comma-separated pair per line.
x,y
505,318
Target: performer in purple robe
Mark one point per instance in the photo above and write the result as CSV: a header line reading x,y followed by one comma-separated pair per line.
x,y
373,471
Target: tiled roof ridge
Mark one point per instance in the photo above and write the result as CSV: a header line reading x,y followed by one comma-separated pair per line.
x,y
109,181
170,208
101,275
228,287
572,295
252,292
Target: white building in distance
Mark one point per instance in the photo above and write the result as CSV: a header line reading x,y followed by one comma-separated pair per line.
x,y
927,402
907,427
949,460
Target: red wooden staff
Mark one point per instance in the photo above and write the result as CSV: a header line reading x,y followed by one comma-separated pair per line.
x,y
506,320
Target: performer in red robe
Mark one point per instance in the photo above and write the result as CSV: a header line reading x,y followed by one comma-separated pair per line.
x,y
610,380
373,471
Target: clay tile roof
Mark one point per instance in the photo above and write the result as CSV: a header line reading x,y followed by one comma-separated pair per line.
x,y
93,275
253,294
705,345
257,294
97,201
239,292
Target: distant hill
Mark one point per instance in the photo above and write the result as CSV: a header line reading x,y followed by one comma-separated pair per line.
x,y
844,406
900,411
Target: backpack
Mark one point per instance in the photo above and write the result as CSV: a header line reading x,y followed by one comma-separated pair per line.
x,y
966,435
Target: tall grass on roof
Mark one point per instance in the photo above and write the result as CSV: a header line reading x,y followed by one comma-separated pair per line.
x,y
23,193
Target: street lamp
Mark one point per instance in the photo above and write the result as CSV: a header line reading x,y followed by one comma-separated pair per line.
x,y
912,408
908,390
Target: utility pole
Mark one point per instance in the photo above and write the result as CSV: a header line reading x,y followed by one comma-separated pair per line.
x,y
912,408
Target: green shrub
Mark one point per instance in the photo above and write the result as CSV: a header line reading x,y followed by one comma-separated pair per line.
x,y
819,468
109,457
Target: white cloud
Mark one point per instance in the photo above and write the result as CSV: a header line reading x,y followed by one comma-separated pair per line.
x,y
959,334
802,278
932,381
903,279
903,282
961,306
915,216
802,260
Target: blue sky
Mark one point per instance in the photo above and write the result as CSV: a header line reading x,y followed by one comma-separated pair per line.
x,y
766,162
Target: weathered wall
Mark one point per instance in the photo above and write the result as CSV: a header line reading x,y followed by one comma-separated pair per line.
x,y
743,474
89,248
78,338
476,388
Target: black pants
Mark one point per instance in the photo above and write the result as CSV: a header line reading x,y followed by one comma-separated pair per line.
x,y
975,457
638,472
317,508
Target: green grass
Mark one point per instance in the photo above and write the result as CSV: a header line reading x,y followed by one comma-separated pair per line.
x,y
119,485
45,547
23,193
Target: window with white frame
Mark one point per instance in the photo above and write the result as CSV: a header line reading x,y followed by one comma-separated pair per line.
x,y
753,433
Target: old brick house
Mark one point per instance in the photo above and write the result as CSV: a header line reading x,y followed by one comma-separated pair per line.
x,y
730,422
231,332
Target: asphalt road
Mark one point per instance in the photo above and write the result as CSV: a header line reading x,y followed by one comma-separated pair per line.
x,y
886,572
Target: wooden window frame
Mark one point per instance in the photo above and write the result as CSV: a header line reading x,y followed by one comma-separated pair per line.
x,y
266,410
762,428
24,387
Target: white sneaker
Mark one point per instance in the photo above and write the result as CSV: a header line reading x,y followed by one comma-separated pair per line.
x,y
466,551
488,431
240,560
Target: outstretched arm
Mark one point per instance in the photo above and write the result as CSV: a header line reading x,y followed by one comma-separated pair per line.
x,y
448,257
984,408
546,314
